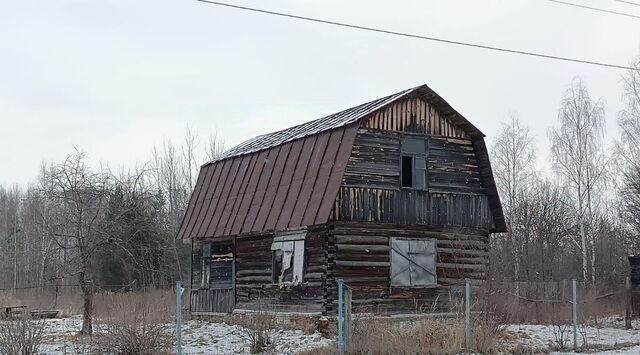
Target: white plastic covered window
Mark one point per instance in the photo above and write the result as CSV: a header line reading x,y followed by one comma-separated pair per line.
x,y
288,257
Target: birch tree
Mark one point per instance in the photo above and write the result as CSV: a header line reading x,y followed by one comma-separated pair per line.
x,y
214,147
629,151
513,158
579,160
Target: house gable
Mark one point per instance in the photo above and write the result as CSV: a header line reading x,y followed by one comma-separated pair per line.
x,y
291,178
453,194
413,115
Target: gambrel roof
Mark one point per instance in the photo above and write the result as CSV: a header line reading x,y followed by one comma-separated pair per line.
x,y
290,178
344,118
333,121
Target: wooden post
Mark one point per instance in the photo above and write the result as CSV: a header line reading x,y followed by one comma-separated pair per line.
x,y
628,310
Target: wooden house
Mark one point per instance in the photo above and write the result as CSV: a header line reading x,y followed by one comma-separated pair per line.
x,y
395,196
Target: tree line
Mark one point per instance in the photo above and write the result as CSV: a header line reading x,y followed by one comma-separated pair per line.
x,y
582,219
96,228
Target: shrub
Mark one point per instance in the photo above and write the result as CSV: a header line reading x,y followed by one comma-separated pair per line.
x,y
135,325
21,336
259,329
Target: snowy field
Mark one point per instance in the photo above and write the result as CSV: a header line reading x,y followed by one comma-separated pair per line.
x,y
609,336
201,337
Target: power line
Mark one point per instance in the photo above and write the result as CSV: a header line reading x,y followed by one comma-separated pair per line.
x,y
628,2
428,38
595,8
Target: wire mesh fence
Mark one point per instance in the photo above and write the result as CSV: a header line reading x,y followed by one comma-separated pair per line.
x,y
502,301
68,299
548,302
513,302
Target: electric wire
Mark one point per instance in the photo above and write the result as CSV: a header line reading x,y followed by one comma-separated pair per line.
x,y
594,8
421,37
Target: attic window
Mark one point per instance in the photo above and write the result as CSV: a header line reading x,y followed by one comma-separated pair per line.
x,y
407,171
413,164
288,257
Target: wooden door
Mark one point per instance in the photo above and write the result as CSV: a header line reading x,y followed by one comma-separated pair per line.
x,y
213,287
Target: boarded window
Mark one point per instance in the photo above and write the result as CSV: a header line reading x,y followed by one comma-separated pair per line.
x,y
221,270
288,257
414,162
216,265
413,262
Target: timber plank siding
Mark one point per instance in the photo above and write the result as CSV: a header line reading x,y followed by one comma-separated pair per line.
x,y
360,256
371,192
255,289
395,196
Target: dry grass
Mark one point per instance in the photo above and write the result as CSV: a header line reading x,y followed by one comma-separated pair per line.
x,y
124,322
259,329
427,336
21,336
551,305
69,301
135,323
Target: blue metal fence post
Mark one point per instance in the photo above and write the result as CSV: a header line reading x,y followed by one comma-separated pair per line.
x,y
574,312
467,314
340,305
179,290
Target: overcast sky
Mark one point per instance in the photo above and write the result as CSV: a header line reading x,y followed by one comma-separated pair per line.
x,y
113,78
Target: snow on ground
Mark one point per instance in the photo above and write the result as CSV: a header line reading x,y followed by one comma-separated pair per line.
x,y
608,334
634,350
202,337
199,337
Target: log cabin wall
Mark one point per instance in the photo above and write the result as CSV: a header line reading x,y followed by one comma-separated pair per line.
x,y
371,208
360,254
370,191
255,289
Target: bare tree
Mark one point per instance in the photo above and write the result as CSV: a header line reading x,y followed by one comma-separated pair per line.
x,y
170,178
80,196
177,168
189,161
513,157
629,151
579,160
214,147
95,228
